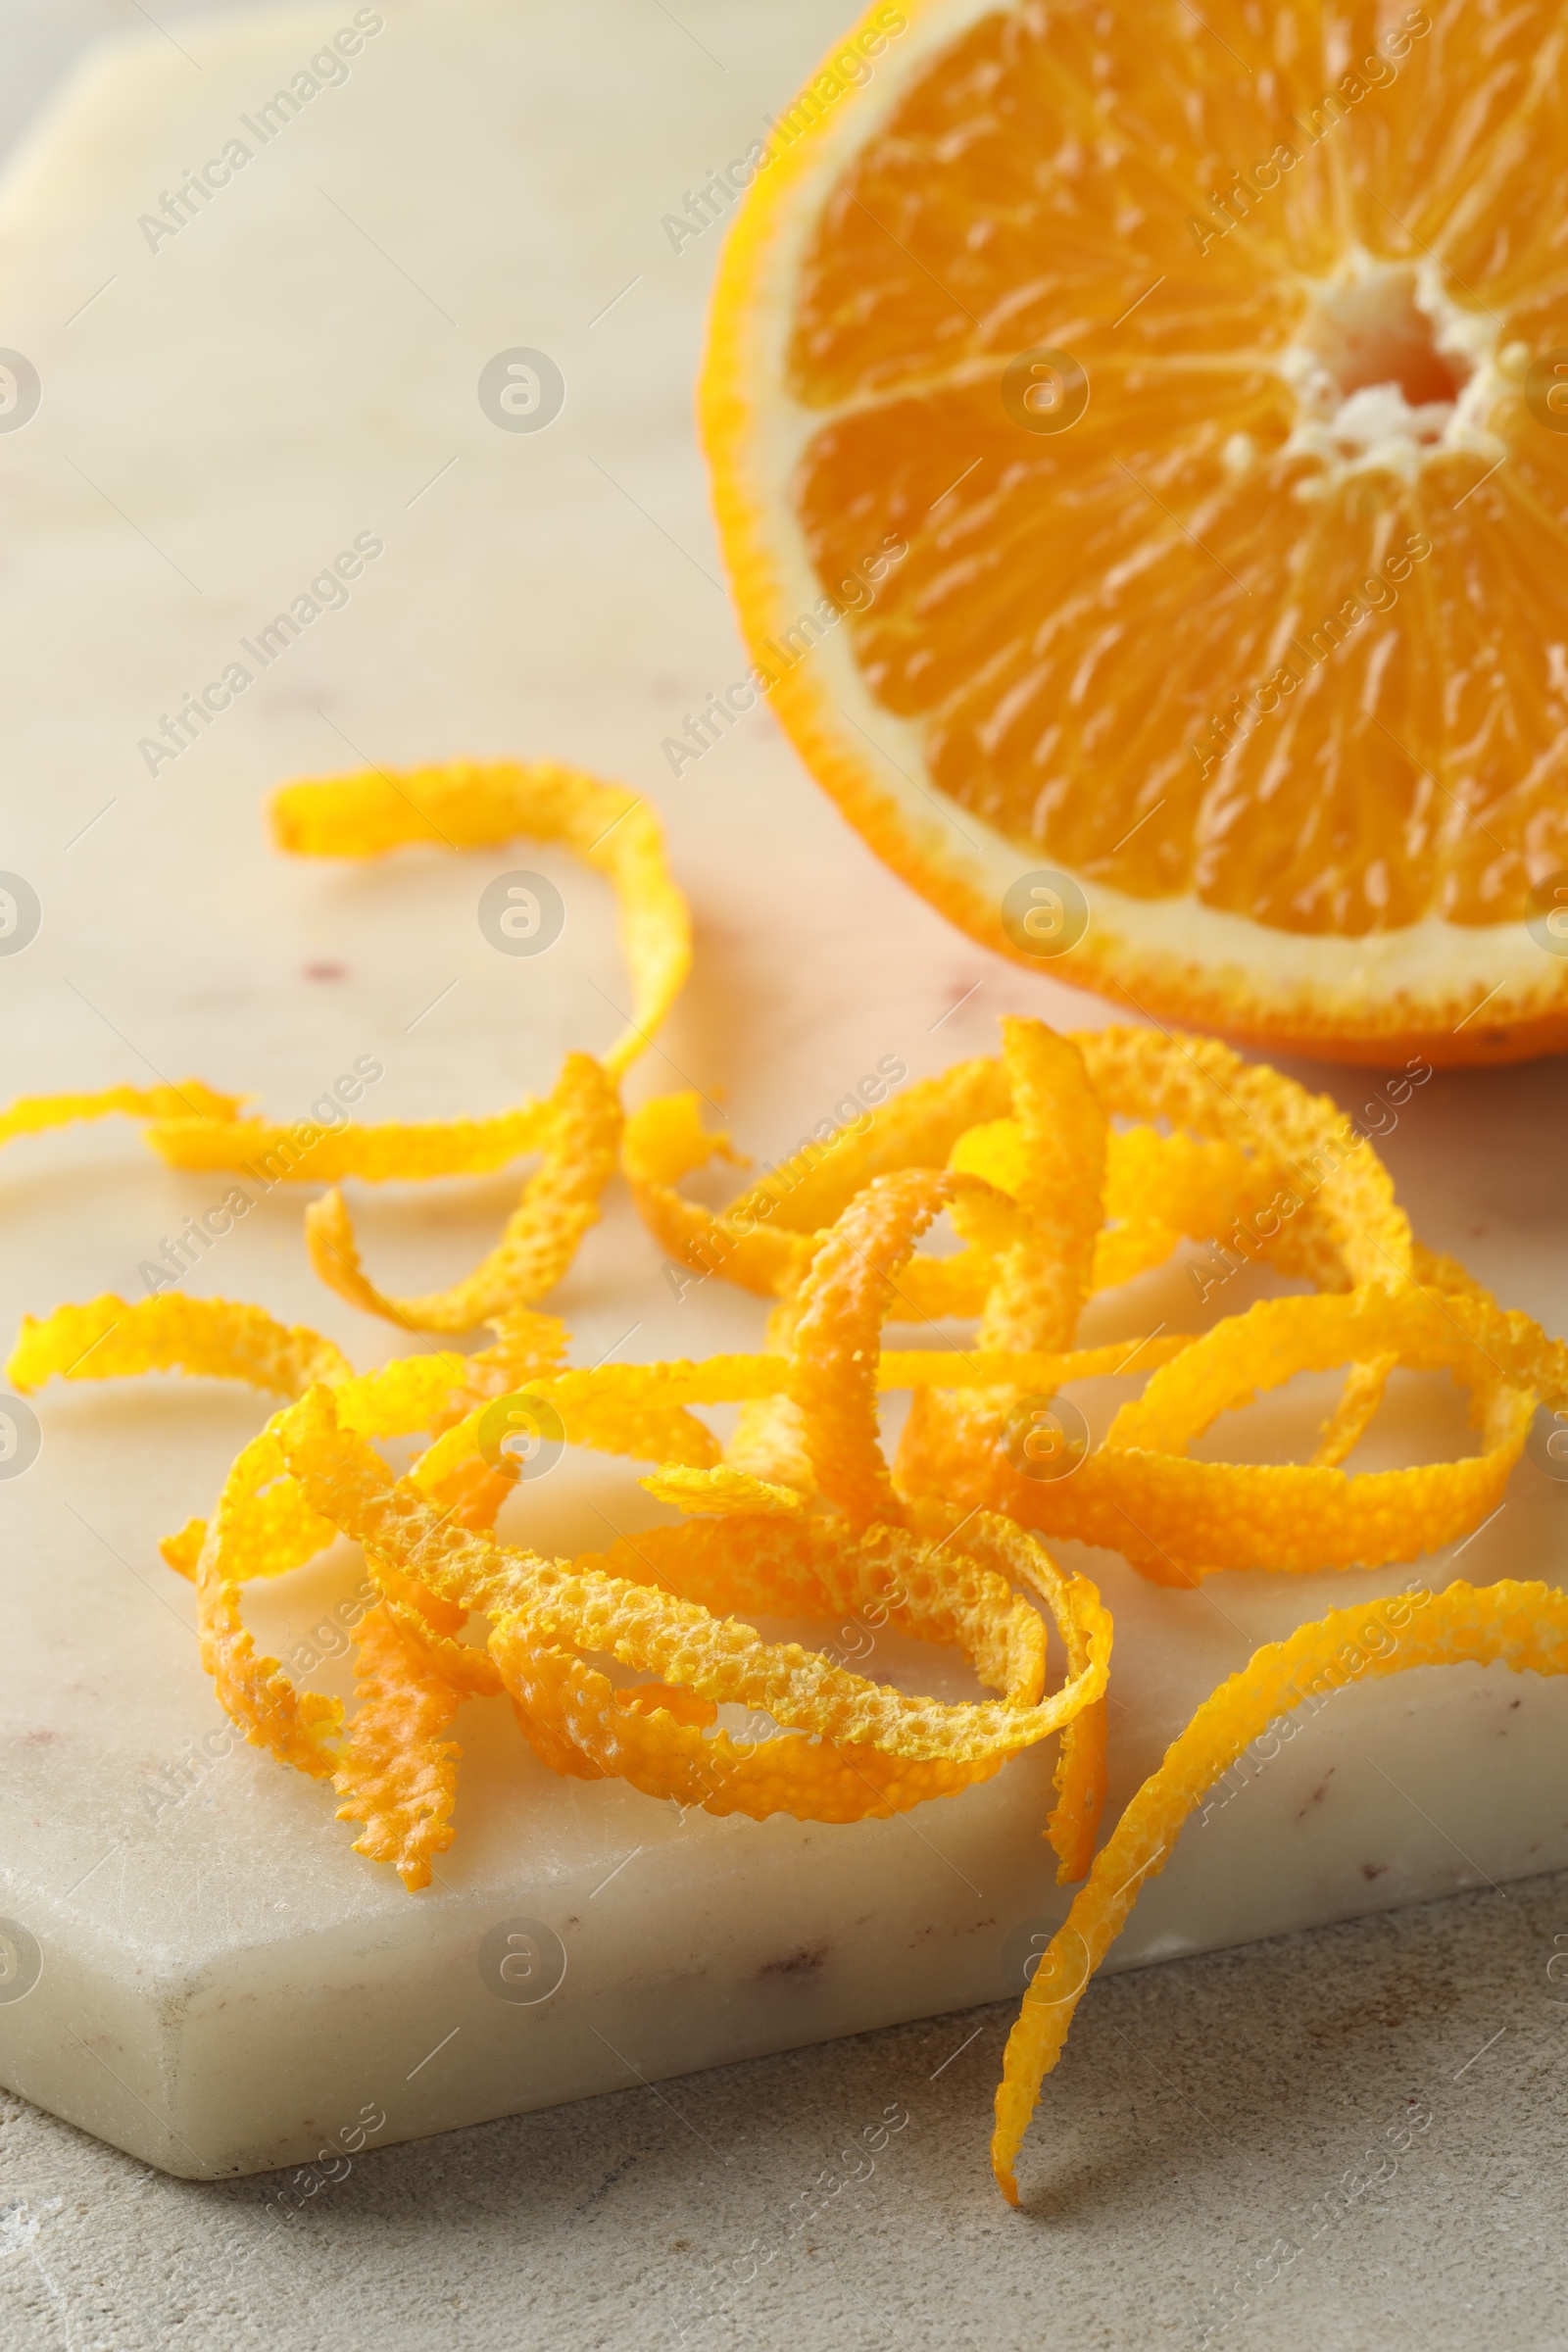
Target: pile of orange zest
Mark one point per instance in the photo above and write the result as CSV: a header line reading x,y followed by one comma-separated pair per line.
x,y
311,1474
1522,1625
868,1749
1065,1166
1247,1150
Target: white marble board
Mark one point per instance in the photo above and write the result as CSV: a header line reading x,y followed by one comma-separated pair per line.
x,y
222,1983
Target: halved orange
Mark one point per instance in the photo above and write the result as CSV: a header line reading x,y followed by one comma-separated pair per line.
x,y
1139,446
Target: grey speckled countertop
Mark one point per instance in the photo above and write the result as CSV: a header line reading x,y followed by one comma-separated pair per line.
x,y
1222,2149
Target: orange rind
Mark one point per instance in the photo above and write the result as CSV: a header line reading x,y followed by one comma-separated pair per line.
x,y
1135,454
1522,1625
576,1128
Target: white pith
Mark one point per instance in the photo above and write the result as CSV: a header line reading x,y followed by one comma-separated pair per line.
x,y
1376,428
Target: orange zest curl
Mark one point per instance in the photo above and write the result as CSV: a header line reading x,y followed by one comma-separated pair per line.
x,y
576,1128
1522,1625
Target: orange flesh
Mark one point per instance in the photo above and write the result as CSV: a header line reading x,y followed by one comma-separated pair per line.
x,y
1074,619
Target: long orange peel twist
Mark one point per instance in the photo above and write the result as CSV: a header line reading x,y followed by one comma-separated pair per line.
x,y
1522,1625
1065,1167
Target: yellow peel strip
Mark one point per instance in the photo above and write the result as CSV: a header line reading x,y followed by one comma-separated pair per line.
x,y
482,804
1345,1227
1049,1159
111,1339
613,1406
1176,1519
469,806
307,1152
395,1773
1523,1626
560,1202
261,1525
844,1302
34,1114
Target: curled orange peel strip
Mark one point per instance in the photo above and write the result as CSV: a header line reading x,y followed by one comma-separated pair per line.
x,y
1522,1625
723,1492
112,1338
578,1128
578,1135
1048,1162
464,806
846,1297
480,804
1177,1519
1345,1227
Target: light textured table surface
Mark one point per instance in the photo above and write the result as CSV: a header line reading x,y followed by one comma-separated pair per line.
x,y
1209,2117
